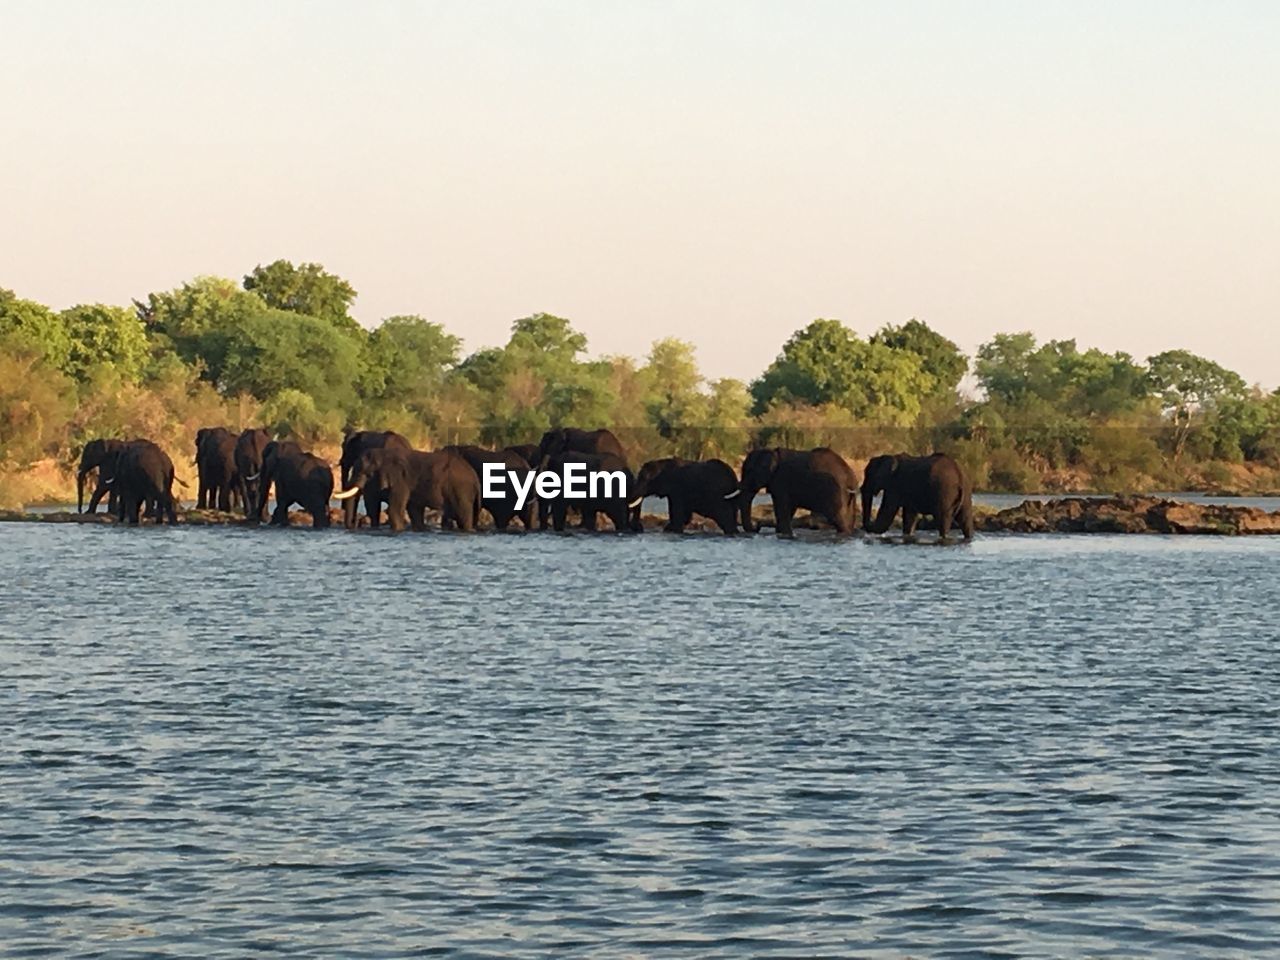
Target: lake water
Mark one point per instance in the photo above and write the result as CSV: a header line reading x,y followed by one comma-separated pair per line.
x,y
230,742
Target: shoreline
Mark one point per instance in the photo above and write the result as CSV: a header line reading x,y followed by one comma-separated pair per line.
x,y
1133,514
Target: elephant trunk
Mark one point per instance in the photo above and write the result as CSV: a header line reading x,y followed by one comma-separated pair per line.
x,y
884,516
868,495
745,496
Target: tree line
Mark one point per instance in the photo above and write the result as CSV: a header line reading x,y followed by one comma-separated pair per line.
x,y
280,349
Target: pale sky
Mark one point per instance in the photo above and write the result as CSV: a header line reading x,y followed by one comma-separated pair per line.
x,y
719,170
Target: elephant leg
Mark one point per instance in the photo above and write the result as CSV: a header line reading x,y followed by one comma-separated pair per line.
x,y
909,519
620,516
726,519
280,516
965,518
224,497
744,507
944,525
417,513
373,506
678,515
783,511
465,512
398,508
98,491
846,513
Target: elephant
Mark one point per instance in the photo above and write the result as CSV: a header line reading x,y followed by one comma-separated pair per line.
x,y
300,478
415,481
98,455
143,476
352,447
614,503
502,509
707,487
819,480
935,485
572,440
216,468
248,457
528,452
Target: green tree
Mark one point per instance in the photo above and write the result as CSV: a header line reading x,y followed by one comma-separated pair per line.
x,y
35,402
728,416
1189,386
307,289
35,326
825,363
537,380
105,335
198,320
939,357
407,359
276,350
1013,370
675,404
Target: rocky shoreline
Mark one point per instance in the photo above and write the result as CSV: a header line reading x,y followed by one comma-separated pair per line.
x,y
1134,514
1131,514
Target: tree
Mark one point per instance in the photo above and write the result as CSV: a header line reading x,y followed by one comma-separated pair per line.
x,y
276,350
407,359
825,363
307,289
102,335
34,326
674,401
728,412
35,401
536,380
198,319
1015,371
939,357
1188,386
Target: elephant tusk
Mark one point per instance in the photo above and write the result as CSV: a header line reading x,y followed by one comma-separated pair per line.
x,y
732,494
107,483
346,494
254,477
635,503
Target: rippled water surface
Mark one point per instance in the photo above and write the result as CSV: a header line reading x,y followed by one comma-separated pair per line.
x,y
237,742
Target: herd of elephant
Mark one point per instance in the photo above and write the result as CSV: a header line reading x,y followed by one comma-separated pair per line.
x,y
381,467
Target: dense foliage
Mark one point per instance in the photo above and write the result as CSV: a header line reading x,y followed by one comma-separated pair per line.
x,y
281,349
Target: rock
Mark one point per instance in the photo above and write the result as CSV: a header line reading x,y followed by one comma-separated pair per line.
x,y
1130,515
